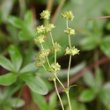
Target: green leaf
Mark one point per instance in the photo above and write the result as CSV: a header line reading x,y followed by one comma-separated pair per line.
x,y
5,9
7,79
87,95
28,68
52,102
105,95
25,34
16,102
36,84
28,17
88,43
77,106
5,63
98,79
16,22
15,57
105,46
40,100
7,108
89,79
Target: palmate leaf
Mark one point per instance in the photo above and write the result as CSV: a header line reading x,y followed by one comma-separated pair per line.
x,y
16,22
89,79
7,79
28,68
105,95
77,106
5,63
87,95
36,84
16,102
40,100
15,57
105,46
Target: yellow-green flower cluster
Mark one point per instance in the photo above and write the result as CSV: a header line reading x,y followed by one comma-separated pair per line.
x,y
39,39
72,51
68,15
56,47
49,27
55,67
69,31
45,29
40,29
43,53
39,62
40,58
45,14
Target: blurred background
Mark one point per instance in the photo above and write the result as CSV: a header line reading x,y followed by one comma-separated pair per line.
x,y
90,70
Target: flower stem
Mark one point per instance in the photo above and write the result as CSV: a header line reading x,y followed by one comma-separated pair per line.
x,y
58,94
59,81
69,66
68,97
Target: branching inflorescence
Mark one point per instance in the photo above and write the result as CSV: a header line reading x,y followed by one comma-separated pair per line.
x,y
42,57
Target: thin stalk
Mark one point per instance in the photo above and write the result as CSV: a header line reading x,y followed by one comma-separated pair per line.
x,y
69,66
44,67
67,24
69,41
55,58
48,61
69,102
59,81
52,38
58,94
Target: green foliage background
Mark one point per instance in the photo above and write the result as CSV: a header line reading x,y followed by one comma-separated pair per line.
x,y
18,74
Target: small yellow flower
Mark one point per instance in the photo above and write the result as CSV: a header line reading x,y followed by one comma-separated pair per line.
x,y
55,67
49,27
56,47
43,53
68,15
45,14
72,51
40,29
39,62
69,31
39,39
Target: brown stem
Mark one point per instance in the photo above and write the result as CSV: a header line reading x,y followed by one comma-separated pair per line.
x,y
57,11
103,17
50,5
